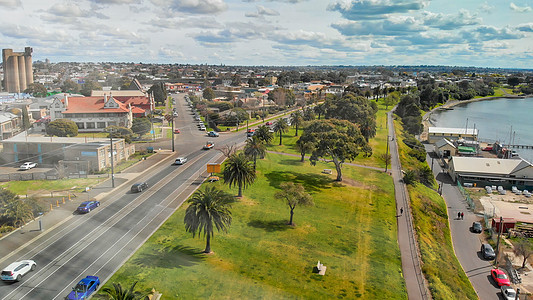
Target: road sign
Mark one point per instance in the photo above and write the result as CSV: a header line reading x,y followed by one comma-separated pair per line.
x,y
213,168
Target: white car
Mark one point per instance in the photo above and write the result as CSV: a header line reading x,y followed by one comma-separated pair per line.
x,y
28,165
16,270
180,160
508,293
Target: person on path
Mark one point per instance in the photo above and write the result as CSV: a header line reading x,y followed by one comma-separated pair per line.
x,y
401,211
458,215
462,215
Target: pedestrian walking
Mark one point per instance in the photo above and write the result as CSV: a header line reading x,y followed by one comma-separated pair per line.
x,y
401,211
462,215
458,215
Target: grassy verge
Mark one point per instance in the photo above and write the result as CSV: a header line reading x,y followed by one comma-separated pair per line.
x,y
33,186
351,229
446,277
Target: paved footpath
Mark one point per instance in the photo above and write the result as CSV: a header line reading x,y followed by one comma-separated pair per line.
x,y
412,272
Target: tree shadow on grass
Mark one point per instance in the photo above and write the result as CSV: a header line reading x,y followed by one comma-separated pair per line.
x,y
312,182
171,257
291,162
270,226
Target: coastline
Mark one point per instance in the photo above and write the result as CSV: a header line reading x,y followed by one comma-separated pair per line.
x,y
451,103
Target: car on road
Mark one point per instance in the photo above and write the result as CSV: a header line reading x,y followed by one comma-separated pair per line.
x,y
16,270
177,131
268,123
87,206
213,134
508,292
28,165
250,132
476,227
139,187
487,252
499,277
180,160
209,145
84,288
213,178
202,128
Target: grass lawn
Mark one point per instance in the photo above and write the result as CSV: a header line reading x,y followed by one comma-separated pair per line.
x,y
351,230
32,186
446,277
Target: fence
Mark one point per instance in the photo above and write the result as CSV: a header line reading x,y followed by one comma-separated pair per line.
x,y
466,195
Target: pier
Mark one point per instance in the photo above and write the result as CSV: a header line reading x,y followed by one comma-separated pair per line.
x,y
521,146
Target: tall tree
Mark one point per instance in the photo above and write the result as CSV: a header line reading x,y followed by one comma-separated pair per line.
x,y
263,133
297,120
62,127
14,210
523,248
338,140
304,148
25,118
90,86
208,94
320,110
281,126
70,86
239,171
159,92
208,209
294,195
141,126
119,293
255,148
36,89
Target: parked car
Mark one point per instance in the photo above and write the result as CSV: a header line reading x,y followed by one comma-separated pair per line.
x,y
139,187
209,145
177,131
250,132
508,292
499,277
213,178
16,270
202,128
268,123
180,160
212,134
87,206
84,288
476,227
487,252
28,165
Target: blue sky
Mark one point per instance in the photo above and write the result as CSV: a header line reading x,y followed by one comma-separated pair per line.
x,y
491,33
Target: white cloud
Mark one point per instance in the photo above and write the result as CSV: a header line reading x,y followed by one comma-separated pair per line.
x,y
262,12
520,9
11,3
450,22
486,7
528,27
392,26
374,9
193,6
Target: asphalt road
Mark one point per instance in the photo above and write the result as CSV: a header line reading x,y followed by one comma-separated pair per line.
x,y
99,242
467,245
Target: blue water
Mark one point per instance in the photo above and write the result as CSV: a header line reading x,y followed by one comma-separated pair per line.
x,y
503,120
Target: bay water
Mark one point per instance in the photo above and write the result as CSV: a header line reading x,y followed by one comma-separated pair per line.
x,y
508,121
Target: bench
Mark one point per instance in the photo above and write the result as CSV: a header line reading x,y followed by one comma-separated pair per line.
x,y
326,171
321,268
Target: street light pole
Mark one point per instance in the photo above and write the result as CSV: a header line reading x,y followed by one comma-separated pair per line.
x,y
387,155
174,115
498,242
112,162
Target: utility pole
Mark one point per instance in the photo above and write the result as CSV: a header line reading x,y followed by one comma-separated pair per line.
x,y
174,115
112,162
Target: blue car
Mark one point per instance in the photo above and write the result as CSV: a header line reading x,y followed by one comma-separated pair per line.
x,y
87,206
84,288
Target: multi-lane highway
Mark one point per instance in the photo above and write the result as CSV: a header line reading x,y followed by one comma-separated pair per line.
x,y
99,242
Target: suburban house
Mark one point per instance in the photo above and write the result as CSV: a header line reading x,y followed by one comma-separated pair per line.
x,y
491,171
92,114
437,133
10,124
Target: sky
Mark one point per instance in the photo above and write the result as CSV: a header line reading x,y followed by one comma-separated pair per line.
x,y
491,33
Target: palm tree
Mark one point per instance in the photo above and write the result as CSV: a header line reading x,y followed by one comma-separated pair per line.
x,y
255,148
280,127
17,211
238,171
119,293
263,133
208,209
297,120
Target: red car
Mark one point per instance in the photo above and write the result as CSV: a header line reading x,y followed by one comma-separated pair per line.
x,y
268,123
177,131
499,277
